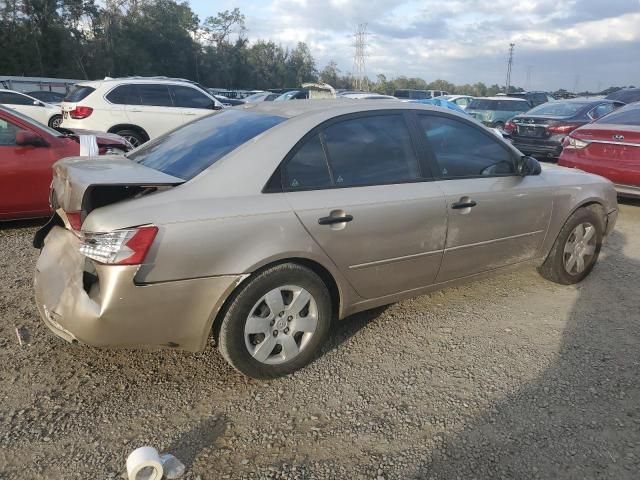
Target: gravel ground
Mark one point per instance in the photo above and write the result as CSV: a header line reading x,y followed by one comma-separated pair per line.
x,y
512,377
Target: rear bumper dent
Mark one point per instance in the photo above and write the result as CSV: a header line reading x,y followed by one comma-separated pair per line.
x,y
114,311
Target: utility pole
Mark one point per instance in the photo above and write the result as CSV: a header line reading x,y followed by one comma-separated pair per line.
x,y
509,65
529,70
360,56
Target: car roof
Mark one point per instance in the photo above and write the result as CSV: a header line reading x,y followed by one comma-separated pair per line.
x,y
91,83
511,99
340,106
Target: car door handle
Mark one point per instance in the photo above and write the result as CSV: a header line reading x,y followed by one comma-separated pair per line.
x,y
465,204
331,220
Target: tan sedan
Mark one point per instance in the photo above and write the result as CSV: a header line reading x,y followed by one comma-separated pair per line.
x,y
262,224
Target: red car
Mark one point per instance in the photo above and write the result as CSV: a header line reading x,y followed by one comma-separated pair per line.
x,y
28,149
610,147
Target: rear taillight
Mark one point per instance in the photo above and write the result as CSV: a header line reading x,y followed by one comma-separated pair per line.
x,y
574,143
120,247
509,126
79,113
562,129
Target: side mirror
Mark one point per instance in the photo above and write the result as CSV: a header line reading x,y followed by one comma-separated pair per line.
x,y
26,138
528,166
38,103
216,106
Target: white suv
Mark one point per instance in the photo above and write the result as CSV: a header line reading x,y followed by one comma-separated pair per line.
x,y
137,108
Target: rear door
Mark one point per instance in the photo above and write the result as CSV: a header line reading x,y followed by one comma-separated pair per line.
x,y
192,102
357,186
496,217
155,113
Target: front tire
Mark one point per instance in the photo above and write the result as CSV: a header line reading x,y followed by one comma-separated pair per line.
x,y
276,323
576,249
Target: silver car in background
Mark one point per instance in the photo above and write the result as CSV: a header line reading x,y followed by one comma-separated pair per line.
x,y
263,223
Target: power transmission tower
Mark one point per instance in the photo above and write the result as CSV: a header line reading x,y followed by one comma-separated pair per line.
x,y
360,56
509,65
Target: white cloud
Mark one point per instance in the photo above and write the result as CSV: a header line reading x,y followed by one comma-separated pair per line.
x,y
556,39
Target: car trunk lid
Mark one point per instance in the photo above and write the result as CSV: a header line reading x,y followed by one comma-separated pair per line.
x,y
82,184
74,177
628,135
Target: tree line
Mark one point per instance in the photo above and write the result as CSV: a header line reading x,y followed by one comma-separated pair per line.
x,y
89,39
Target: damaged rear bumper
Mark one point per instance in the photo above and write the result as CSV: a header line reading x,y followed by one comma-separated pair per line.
x,y
112,310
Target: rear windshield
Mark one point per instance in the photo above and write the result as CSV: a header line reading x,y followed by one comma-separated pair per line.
x,y
187,151
78,93
558,109
482,104
623,116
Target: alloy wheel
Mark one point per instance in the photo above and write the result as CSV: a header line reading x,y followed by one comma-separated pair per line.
x,y
579,248
281,324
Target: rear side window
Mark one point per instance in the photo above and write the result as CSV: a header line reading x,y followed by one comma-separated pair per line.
x,y
308,168
624,116
481,104
10,98
463,150
371,151
188,97
511,106
154,95
79,92
189,150
124,95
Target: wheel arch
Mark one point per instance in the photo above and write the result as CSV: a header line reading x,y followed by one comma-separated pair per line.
x,y
129,126
325,275
584,203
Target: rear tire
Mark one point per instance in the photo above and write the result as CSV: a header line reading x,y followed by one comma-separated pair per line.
x,y
576,248
55,121
134,137
276,323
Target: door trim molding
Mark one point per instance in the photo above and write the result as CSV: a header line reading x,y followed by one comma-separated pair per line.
x,y
487,242
393,260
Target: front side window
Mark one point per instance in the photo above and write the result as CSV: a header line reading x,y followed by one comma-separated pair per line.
x,y
371,151
188,97
154,95
189,150
308,167
463,150
10,98
7,132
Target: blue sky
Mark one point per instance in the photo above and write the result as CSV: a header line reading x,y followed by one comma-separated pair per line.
x,y
559,43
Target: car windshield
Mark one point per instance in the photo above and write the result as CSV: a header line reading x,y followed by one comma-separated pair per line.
x,y
256,97
187,151
286,96
624,116
558,109
32,122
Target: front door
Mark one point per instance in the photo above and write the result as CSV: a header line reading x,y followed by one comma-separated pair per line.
x,y
25,175
193,103
496,217
358,188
